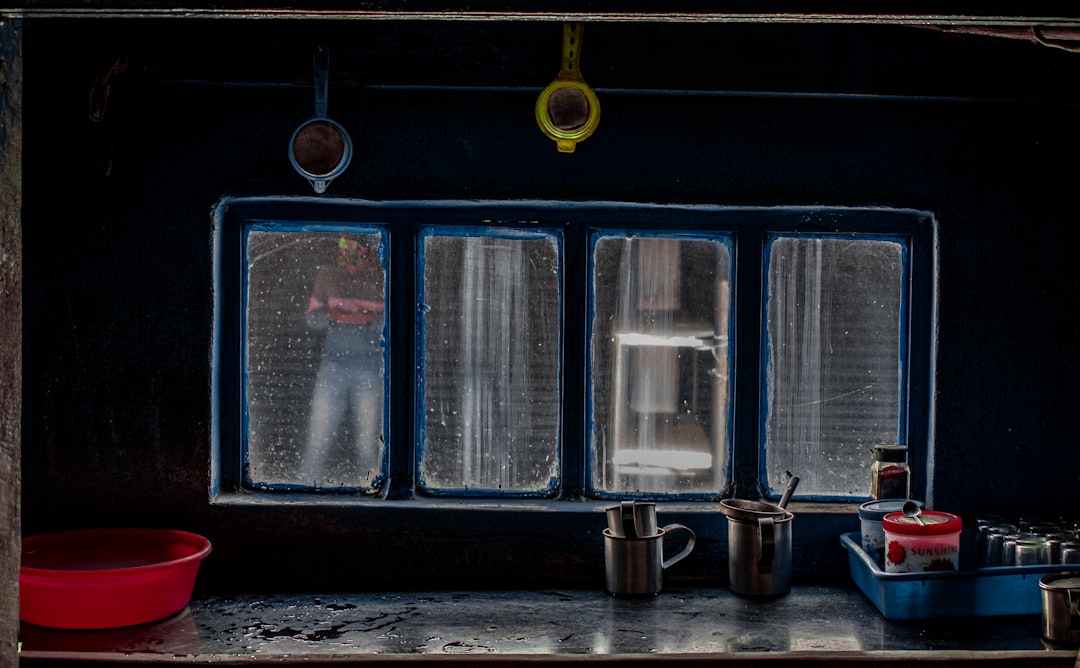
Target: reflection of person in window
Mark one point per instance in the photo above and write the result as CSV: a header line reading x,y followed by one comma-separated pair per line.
x,y
347,302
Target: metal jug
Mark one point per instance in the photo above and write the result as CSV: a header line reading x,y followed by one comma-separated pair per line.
x,y
1061,608
759,547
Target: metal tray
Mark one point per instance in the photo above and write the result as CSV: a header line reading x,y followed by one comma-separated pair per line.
x,y
982,592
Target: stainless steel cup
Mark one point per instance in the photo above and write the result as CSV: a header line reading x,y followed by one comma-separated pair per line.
x,y
994,545
620,520
635,566
1031,550
645,519
983,526
1008,550
1070,552
1056,541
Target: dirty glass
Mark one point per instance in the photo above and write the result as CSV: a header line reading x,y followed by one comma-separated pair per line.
x,y
314,359
491,371
660,364
834,360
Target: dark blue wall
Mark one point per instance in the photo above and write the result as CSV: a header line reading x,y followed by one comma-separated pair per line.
x,y
982,132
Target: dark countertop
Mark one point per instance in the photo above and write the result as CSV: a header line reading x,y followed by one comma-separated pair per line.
x,y
815,624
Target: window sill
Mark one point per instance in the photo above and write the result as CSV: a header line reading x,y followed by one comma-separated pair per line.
x,y
511,544
819,624
331,500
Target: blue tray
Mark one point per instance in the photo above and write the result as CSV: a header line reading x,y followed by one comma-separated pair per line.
x,y
982,592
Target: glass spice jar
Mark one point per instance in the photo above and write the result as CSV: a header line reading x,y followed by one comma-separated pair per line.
x,y
890,476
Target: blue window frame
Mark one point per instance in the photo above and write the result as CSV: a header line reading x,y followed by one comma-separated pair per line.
x,y
470,358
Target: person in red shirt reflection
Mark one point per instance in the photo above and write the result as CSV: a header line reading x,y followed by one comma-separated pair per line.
x,y
347,304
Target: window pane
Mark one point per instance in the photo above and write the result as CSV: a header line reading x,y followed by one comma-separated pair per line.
x,y
660,364
314,372
833,375
491,369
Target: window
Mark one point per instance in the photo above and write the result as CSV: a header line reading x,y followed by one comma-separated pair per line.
x,y
314,357
834,358
567,351
660,376
490,382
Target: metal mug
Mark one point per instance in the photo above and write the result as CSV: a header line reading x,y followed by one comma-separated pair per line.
x,y
635,566
1031,550
994,544
1070,552
759,547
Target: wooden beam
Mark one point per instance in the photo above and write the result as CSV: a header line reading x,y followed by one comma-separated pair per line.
x,y
945,13
10,334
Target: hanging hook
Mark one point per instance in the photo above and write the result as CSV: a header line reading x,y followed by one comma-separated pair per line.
x,y
321,72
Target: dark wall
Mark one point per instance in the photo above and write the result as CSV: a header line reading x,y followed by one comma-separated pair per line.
x,y
117,226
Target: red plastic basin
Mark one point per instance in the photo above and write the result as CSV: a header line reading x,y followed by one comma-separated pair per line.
x,y
106,578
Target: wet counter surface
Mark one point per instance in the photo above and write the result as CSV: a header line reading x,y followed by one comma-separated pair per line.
x,y
814,624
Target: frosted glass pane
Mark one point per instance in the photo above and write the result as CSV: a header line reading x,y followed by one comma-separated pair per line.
x,y
833,375
491,369
660,381
314,359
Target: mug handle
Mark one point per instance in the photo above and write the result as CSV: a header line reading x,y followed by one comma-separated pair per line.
x,y
767,543
686,549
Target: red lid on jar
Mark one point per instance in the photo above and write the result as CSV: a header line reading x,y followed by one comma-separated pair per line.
x,y
937,523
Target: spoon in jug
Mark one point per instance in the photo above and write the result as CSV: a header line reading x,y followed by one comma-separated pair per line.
x,y
793,481
912,510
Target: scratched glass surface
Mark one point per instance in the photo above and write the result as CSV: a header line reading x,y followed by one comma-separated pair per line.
x,y
313,373
491,371
834,359
660,381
